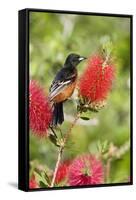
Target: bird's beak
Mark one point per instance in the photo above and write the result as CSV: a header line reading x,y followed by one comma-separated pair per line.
x,y
82,58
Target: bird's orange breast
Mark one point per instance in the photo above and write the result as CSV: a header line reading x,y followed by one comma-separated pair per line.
x,y
65,94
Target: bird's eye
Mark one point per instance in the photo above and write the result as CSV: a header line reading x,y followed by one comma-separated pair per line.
x,y
77,58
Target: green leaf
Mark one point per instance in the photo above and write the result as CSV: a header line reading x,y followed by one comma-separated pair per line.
x,y
47,178
103,146
37,176
86,115
93,110
54,140
42,185
85,118
41,178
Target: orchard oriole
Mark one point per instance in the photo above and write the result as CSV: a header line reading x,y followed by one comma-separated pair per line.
x,y
63,86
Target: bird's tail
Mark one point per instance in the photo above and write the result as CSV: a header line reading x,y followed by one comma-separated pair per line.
x,y
58,115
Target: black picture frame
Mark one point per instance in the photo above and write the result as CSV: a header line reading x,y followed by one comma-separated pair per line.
x,y
23,132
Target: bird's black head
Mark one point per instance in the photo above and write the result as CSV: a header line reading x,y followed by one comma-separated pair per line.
x,y
73,60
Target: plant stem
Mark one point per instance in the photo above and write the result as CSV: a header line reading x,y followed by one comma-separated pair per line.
x,y
56,167
60,152
71,127
107,169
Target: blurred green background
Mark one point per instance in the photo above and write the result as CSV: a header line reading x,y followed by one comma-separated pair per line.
x,y
52,38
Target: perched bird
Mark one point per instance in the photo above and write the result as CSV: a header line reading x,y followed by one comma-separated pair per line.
x,y
63,86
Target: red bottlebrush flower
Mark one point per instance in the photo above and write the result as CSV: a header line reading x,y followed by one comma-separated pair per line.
x,y
96,81
32,183
86,170
62,171
40,113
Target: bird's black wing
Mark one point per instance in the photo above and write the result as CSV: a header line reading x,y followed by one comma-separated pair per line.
x,y
63,78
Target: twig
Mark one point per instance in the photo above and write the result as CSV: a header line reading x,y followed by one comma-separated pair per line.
x,y
107,169
91,122
71,127
61,149
122,150
114,153
56,167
